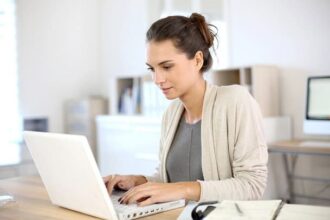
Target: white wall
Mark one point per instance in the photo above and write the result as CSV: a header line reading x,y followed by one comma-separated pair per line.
x,y
123,28
294,35
58,55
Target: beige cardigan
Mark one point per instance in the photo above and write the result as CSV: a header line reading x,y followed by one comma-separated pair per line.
x,y
234,151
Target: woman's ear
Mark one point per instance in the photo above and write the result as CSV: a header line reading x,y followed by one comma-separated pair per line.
x,y
199,58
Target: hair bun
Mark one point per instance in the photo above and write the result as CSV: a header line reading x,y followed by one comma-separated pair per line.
x,y
188,34
203,27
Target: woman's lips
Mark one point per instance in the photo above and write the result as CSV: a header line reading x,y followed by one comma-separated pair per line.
x,y
166,90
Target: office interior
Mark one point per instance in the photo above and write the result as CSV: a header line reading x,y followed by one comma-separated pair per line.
x,y
78,67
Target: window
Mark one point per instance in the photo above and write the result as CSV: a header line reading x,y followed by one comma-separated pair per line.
x,y
10,123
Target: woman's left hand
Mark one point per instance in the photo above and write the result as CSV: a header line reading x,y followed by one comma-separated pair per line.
x,y
151,192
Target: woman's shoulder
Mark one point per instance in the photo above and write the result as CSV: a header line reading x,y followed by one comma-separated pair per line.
x,y
232,98
231,93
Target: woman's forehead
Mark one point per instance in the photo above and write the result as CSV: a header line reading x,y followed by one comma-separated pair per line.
x,y
165,46
163,50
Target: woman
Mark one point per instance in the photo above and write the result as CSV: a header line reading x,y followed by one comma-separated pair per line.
x,y
212,145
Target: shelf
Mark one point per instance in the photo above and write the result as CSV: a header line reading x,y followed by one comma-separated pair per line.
x,y
262,81
139,95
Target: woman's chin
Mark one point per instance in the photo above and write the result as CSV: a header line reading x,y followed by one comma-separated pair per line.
x,y
170,96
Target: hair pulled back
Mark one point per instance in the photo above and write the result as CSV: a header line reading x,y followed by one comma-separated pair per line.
x,y
189,34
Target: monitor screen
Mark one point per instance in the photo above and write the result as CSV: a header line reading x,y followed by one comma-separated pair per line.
x,y
318,98
317,117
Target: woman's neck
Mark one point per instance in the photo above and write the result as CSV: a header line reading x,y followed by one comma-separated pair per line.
x,y
193,102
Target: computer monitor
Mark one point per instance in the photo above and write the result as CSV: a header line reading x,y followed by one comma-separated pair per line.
x,y
317,114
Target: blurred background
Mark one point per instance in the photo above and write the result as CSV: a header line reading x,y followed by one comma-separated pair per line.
x,y
78,66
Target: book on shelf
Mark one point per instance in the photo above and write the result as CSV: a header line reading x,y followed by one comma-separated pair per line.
x,y
129,96
139,95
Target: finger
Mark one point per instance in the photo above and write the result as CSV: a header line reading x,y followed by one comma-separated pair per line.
x,y
123,198
142,199
106,178
135,194
135,189
127,194
124,185
112,183
148,201
146,186
138,196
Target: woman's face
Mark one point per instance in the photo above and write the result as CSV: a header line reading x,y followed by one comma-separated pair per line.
x,y
172,71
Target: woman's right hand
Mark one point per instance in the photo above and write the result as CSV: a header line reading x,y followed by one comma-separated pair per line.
x,y
124,182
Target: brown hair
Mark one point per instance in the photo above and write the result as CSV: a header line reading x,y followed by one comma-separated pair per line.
x,y
189,34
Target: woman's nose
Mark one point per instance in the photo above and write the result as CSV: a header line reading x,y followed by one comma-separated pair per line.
x,y
159,77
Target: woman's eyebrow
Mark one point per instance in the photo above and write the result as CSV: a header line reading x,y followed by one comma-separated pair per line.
x,y
148,65
163,62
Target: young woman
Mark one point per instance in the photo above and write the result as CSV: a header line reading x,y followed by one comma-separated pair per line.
x,y
212,145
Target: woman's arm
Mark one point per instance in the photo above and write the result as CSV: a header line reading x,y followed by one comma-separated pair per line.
x,y
249,155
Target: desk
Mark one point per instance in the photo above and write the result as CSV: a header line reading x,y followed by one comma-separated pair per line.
x,y
291,150
32,203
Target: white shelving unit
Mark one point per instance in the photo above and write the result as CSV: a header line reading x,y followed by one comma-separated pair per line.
x,y
262,81
80,116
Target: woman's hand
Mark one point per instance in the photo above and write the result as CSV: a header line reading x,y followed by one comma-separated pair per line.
x,y
150,193
124,182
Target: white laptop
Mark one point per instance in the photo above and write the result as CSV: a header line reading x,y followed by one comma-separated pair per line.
x,y
71,177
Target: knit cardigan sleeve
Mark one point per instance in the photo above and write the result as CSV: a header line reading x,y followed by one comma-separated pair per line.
x,y
247,151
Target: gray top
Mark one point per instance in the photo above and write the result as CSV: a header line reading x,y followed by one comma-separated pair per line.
x,y
184,159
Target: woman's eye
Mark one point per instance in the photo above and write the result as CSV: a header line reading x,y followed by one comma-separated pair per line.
x,y
167,67
150,69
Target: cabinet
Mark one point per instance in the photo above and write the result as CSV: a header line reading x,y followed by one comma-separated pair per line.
x,y
130,144
80,117
262,81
